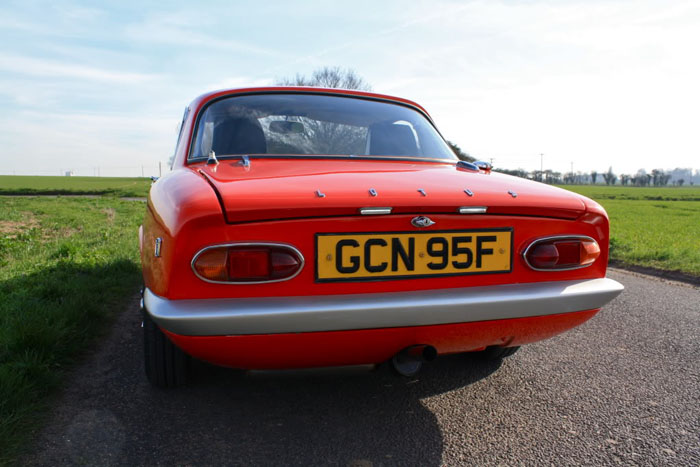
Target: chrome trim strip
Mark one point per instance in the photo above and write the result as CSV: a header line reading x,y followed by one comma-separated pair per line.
x,y
472,209
222,245
269,315
374,211
557,237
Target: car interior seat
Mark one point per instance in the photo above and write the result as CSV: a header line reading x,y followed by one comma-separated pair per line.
x,y
390,139
239,136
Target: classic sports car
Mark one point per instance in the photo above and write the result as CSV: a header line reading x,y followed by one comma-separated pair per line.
x,y
308,227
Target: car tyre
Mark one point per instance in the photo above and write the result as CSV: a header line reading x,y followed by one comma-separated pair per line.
x,y
166,365
496,352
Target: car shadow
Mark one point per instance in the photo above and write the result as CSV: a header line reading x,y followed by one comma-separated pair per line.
x,y
109,414
346,416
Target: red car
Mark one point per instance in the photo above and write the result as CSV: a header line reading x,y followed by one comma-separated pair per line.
x,y
308,227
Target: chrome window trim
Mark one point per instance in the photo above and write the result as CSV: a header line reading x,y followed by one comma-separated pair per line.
x,y
224,245
558,237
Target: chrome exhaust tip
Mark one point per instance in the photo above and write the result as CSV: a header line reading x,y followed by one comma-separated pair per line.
x,y
410,360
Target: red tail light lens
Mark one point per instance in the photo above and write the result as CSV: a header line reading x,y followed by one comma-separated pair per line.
x,y
247,263
561,253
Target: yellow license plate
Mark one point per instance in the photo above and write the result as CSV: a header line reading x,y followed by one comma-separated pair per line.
x,y
396,255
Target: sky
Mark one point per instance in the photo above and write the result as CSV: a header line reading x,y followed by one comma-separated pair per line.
x,y
100,87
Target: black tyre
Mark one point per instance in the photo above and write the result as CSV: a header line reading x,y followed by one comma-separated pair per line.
x,y
496,352
166,365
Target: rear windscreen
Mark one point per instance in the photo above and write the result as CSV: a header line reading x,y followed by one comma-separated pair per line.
x,y
314,124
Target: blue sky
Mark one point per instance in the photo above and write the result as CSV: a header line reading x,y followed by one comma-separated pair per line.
x,y
87,84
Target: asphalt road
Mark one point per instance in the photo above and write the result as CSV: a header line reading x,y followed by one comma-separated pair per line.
x,y
622,388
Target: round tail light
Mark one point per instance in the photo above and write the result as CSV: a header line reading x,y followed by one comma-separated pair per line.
x,y
561,253
246,263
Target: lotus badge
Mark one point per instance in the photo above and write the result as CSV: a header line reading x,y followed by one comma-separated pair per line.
x,y
421,221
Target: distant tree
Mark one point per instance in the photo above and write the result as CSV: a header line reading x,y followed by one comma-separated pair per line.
x,y
624,179
681,182
329,77
609,177
660,177
594,176
641,178
515,172
331,134
459,153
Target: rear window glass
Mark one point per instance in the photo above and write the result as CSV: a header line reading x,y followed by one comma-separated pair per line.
x,y
312,124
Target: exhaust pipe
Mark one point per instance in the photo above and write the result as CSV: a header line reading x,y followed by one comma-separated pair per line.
x,y
409,361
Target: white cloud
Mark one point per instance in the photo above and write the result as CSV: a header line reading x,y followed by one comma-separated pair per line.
x,y
191,29
238,82
49,141
52,68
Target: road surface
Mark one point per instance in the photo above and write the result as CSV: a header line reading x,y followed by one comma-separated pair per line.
x,y
622,388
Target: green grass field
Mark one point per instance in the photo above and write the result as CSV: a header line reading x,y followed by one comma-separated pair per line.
x,y
108,186
632,193
67,266
652,227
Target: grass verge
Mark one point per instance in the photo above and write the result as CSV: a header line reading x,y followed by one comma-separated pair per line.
x,y
602,192
29,185
656,228
66,267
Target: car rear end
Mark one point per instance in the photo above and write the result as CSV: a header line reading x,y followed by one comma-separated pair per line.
x,y
348,260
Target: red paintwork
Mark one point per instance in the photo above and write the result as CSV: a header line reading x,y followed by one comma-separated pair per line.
x,y
315,349
280,189
198,233
198,205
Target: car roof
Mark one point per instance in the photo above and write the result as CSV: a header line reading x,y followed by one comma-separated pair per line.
x,y
200,101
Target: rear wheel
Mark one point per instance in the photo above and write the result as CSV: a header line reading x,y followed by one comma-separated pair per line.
x,y
166,365
496,352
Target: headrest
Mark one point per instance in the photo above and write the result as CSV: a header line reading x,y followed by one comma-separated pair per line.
x,y
389,139
239,136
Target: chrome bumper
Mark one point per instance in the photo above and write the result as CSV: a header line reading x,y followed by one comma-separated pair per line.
x,y
271,315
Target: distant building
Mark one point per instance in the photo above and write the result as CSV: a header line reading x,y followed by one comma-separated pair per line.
x,y
69,173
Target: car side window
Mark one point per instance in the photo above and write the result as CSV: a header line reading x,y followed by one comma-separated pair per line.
x,y
179,136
